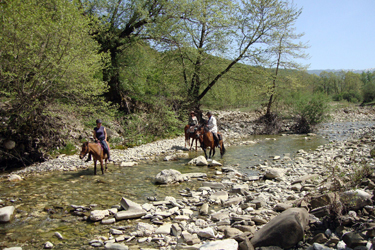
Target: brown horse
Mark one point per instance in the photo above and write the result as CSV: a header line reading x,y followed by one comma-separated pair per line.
x,y
189,135
96,150
206,139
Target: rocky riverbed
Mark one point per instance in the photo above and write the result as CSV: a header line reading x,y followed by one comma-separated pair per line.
x,y
329,189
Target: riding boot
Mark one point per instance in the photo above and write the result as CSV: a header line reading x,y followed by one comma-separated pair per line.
x,y
216,140
88,158
109,157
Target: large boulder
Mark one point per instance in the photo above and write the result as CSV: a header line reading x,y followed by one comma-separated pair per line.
x,y
285,230
168,176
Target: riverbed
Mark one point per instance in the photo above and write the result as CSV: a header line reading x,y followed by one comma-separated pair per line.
x,y
43,202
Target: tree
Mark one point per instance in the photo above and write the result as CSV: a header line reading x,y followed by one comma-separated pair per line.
x,y
46,56
120,23
227,30
283,51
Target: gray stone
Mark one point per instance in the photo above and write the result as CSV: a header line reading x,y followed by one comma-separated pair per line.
x,y
204,209
280,207
213,185
48,245
128,164
233,201
114,231
168,176
132,210
231,232
293,221
199,161
116,246
14,177
12,248
353,239
98,215
356,199
6,213
215,163
164,229
190,239
273,173
228,244
59,236
207,232
219,196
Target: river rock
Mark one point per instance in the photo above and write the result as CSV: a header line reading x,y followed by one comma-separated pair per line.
x,y
14,177
116,246
219,196
356,199
353,239
6,213
171,158
128,164
230,232
292,220
214,163
48,245
190,239
132,210
168,176
228,244
207,232
164,229
199,161
214,185
204,209
12,248
98,215
274,173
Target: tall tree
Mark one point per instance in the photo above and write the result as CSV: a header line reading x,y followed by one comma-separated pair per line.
x,y
283,50
231,31
120,23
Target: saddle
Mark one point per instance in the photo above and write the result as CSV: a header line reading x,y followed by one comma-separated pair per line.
x,y
192,129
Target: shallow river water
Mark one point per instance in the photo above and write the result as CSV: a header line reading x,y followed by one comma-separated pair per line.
x,y
43,202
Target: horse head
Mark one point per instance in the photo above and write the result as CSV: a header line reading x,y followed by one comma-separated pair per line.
x,y
85,150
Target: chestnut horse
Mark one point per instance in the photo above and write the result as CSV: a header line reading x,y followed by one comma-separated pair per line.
x,y
189,135
206,139
96,150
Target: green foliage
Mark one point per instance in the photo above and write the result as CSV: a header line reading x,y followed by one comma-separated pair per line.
x,y
310,109
368,92
161,122
49,67
68,149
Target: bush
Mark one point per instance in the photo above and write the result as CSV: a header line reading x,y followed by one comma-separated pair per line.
x,y
368,92
352,96
310,109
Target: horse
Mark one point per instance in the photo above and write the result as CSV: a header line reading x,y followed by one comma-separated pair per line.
x,y
189,135
96,150
206,139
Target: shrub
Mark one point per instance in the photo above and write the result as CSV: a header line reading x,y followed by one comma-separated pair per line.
x,y
368,92
310,110
352,96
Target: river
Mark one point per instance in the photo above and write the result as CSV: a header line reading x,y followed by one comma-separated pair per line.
x,y
43,202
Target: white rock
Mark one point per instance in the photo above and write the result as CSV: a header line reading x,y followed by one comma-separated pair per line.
x,y
164,229
128,164
48,245
207,232
228,244
6,213
116,246
14,177
199,161
98,215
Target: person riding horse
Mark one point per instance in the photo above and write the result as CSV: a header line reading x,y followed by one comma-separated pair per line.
x,y
193,122
212,127
100,135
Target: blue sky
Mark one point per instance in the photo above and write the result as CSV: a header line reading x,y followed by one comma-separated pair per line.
x,y
340,33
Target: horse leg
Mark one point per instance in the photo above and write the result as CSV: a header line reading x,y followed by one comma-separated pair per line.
x,y
196,145
101,165
213,151
94,166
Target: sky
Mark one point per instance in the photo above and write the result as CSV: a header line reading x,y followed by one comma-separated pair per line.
x,y
340,33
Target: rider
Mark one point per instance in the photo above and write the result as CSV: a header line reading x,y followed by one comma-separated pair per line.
x,y
193,121
100,135
212,126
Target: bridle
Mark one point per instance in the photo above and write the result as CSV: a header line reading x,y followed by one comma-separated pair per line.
x,y
87,151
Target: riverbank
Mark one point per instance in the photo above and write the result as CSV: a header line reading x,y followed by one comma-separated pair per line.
x,y
234,125
231,205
